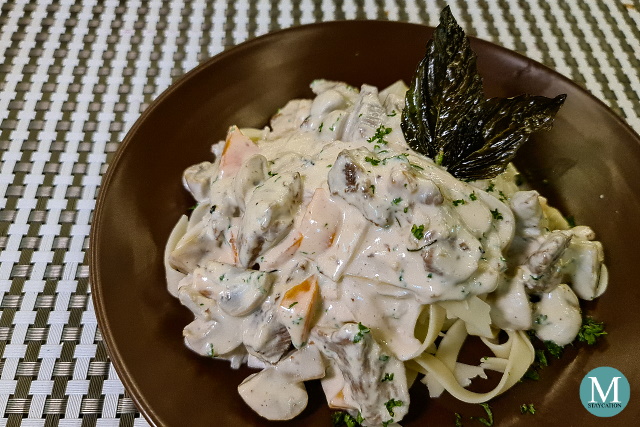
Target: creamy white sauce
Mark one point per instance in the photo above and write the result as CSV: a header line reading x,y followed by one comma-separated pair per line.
x,y
326,239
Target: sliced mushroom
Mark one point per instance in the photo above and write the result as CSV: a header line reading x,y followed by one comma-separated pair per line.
x,y
269,215
511,308
557,317
583,262
196,179
278,392
214,337
237,291
366,116
290,117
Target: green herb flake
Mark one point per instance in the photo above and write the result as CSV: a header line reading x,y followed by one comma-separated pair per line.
x,y
571,221
541,358
373,189
320,127
495,213
590,330
361,331
292,304
383,358
417,231
392,403
393,113
485,421
473,196
458,421
374,162
341,419
554,349
221,278
527,408
387,377
211,352
532,374
378,137
396,200
458,202
272,173
386,423
192,208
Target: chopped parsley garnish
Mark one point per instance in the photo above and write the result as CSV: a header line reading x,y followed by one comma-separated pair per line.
x,y
458,420
381,132
439,158
503,197
361,331
554,349
496,214
413,165
221,278
191,208
541,358
473,196
491,187
292,304
527,408
485,421
320,127
532,374
272,173
211,352
383,357
417,231
387,377
396,200
386,423
590,330
393,113
392,403
341,418
458,202
571,221
374,162
373,189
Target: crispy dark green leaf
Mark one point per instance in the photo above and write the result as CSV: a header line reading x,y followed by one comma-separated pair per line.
x,y
446,116
506,125
444,92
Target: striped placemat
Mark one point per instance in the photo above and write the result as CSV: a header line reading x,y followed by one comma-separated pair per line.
x,y
75,75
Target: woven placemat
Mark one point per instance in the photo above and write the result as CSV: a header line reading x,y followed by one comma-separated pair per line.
x,y
75,75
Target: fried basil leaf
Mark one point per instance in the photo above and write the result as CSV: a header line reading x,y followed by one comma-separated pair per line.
x,y
447,117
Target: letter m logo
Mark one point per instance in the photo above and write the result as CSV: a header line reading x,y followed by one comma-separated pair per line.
x,y
595,387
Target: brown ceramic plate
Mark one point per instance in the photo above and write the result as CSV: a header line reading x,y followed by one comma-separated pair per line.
x,y
587,166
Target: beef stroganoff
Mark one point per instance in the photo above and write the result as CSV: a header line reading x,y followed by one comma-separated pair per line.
x,y
359,241
323,247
